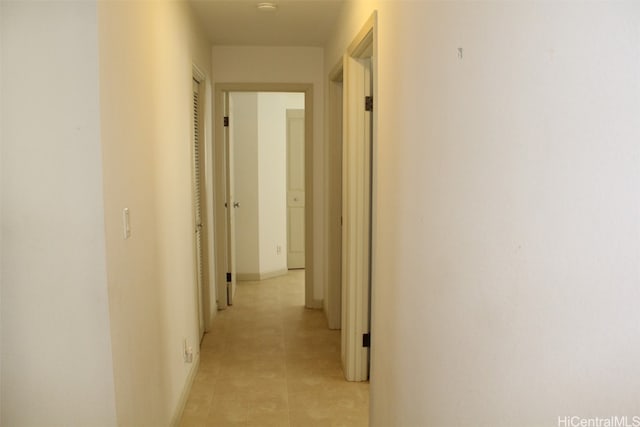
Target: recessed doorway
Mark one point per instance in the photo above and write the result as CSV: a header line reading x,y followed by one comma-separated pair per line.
x,y
269,191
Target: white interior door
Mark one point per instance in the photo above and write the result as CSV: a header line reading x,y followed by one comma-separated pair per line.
x,y
356,208
231,206
295,189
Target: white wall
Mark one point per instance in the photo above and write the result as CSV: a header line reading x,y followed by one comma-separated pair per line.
x,y
272,147
96,113
146,55
506,253
231,64
244,133
56,348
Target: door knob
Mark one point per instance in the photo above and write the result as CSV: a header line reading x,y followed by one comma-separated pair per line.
x,y
236,204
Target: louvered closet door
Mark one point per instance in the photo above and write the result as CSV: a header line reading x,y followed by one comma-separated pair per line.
x,y
197,200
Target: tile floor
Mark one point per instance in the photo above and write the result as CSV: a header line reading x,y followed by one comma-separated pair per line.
x,y
270,362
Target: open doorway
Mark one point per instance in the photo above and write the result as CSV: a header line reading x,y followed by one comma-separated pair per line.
x,y
333,284
264,165
266,151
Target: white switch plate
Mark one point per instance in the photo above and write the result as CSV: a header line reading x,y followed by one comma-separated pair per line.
x,y
125,223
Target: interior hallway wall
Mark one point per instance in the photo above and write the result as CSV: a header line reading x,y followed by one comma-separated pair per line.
x,y
56,349
146,54
506,253
234,64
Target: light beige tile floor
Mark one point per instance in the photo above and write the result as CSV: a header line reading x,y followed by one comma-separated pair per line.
x,y
268,361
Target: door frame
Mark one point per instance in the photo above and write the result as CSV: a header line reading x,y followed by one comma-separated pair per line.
x,y
358,196
220,180
333,284
230,204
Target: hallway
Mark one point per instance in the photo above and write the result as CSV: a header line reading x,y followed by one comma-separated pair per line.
x,y
270,362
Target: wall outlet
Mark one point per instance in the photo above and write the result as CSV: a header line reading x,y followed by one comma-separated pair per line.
x,y
126,224
187,352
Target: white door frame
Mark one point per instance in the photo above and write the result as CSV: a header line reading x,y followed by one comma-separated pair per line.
x,y
220,180
360,140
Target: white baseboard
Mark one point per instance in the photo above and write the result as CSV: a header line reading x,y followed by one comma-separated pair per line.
x,y
317,304
256,277
184,396
272,274
248,277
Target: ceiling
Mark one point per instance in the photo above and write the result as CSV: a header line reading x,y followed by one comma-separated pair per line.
x,y
294,23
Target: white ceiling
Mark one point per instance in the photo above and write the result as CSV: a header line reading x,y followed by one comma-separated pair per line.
x,y
294,23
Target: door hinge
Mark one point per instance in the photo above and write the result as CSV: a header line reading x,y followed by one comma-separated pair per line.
x,y
226,121
368,103
229,277
366,340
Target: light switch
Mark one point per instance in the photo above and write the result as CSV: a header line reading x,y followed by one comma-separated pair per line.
x,y
125,223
